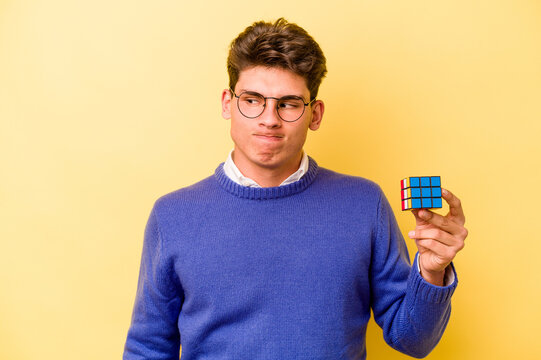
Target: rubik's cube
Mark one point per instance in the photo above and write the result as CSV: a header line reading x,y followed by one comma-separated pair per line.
x,y
421,192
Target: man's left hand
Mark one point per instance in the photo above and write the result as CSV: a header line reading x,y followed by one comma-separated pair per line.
x,y
439,238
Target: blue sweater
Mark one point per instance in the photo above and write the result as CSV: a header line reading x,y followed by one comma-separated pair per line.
x,y
289,272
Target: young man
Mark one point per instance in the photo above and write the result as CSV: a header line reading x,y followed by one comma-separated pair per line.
x,y
274,257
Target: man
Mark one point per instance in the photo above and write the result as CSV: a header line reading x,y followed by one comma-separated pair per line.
x,y
274,257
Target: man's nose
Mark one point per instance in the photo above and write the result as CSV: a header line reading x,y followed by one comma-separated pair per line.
x,y
270,117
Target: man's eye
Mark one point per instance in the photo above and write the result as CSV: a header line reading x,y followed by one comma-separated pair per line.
x,y
289,104
252,100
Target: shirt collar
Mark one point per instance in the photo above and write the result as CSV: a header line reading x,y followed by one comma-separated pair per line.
x,y
233,172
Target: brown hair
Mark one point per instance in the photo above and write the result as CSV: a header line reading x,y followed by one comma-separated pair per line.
x,y
282,44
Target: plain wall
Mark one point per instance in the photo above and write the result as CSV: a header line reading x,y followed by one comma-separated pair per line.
x,y
107,105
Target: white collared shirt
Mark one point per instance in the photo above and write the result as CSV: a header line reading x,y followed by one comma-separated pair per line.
x,y
233,172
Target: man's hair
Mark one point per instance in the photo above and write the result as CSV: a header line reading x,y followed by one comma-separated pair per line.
x,y
282,44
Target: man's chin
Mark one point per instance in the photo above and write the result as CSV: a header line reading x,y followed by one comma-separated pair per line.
x,y
269,164
269,160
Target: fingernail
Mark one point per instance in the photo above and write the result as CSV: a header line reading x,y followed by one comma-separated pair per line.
x,y
444,192
411,234
423,214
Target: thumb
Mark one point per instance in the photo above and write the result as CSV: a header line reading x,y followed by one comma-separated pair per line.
x,y
418,220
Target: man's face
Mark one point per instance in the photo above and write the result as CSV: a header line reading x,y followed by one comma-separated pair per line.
x,y
268,142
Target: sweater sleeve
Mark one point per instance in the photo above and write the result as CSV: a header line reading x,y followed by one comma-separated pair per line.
x,y
412,312
154,333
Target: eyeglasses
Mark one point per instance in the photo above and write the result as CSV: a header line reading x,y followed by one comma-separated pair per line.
x,y
290,108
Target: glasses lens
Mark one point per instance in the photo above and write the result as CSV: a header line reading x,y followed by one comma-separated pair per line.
x,y
290,108
251,104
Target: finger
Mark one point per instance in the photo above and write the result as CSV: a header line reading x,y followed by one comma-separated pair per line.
x,y
455,206
443,253
442,222
435,234
418,220
455,242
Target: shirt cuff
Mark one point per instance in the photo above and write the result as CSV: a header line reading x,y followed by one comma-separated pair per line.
x,y
425,291
449,277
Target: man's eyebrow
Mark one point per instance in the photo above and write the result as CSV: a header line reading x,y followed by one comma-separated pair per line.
x,y
243,90
252,91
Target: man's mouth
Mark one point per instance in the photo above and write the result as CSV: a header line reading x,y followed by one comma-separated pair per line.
x,y
269,136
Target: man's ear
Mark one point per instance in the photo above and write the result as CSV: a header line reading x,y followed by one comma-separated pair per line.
x,y
226,104
318,108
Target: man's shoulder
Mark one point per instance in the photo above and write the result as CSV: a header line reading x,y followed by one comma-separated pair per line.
x,y
346,182
197,193
354,197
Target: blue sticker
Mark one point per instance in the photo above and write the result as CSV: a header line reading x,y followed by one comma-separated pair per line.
x,y
435,181
436,202
427,203
436,192
414,182
416,203
416,192
425,181
425,192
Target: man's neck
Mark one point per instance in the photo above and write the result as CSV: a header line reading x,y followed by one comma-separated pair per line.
x,y
268,176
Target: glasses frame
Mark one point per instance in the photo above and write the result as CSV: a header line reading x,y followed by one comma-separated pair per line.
x,y
277,102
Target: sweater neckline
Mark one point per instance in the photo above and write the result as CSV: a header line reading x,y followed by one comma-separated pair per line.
x,y
266,193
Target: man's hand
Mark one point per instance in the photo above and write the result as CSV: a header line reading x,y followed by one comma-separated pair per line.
x,y
439,238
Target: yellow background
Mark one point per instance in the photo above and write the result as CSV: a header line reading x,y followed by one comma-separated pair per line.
x,y
107,105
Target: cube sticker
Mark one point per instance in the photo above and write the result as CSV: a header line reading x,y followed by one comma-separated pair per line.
x,y
421,192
